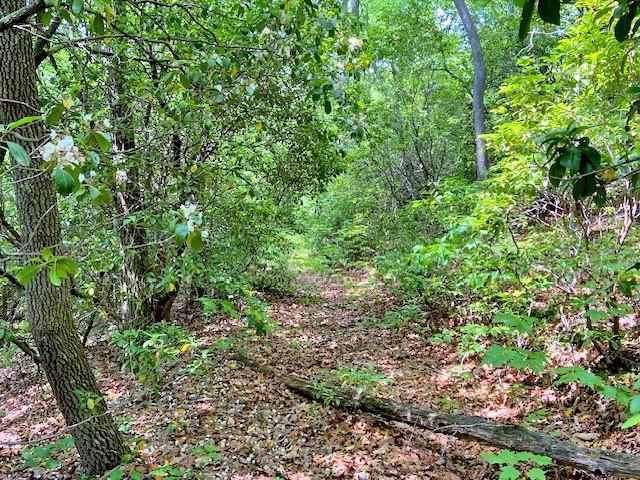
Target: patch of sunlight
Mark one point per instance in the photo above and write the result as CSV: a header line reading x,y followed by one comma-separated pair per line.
x,y
304,258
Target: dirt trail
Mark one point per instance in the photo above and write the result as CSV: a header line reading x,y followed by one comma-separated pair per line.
x,y
332,323
263,431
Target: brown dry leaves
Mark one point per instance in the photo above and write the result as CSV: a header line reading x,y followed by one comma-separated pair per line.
x,y
263,431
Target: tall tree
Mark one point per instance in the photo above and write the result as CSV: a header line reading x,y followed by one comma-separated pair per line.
x,y
49,309
479,85
351,7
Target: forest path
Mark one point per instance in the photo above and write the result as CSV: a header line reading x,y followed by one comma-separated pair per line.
x,y
338,321
263,431
260,429
350,321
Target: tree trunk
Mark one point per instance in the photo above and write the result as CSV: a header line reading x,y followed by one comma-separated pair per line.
x,y
48,307
479,85
135,307
351,7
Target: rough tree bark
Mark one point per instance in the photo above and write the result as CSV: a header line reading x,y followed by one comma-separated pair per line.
x,y
479,85
48,307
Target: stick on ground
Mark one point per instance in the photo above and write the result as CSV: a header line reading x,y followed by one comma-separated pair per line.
x,y
509,436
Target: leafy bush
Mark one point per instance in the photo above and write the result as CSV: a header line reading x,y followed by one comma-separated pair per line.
x,y
148,353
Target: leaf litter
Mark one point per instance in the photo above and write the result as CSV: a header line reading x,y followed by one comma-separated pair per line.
x,y
260,430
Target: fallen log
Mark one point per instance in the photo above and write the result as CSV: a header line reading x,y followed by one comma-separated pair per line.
x,y
509,436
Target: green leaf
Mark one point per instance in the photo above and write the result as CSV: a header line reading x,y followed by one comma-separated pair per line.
x,y
556,174
593,155
66,443
228,308
579,190
623,27
509,473
597,315
135,475
23,121
47,254
185,81
54,115
505,457
98,196
577,374
327,106
634,405
54,275
77,6
536,474
541,460
631,422
19,154
65,182
98,25
45,18
195,241
67,266
27,273
549,11
519,358
570,158
522,324
116,474
525,19
103,140
181,231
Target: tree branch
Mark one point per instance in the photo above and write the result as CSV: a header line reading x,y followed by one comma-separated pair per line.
x,y
26,348
21,15
43,42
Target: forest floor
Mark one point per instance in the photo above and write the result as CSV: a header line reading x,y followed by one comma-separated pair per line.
x,y
261,430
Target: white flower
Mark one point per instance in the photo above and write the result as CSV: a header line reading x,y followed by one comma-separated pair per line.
x,y
188,209
191,214
66,142
355,43
47,151
63,150
121,176
69,157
